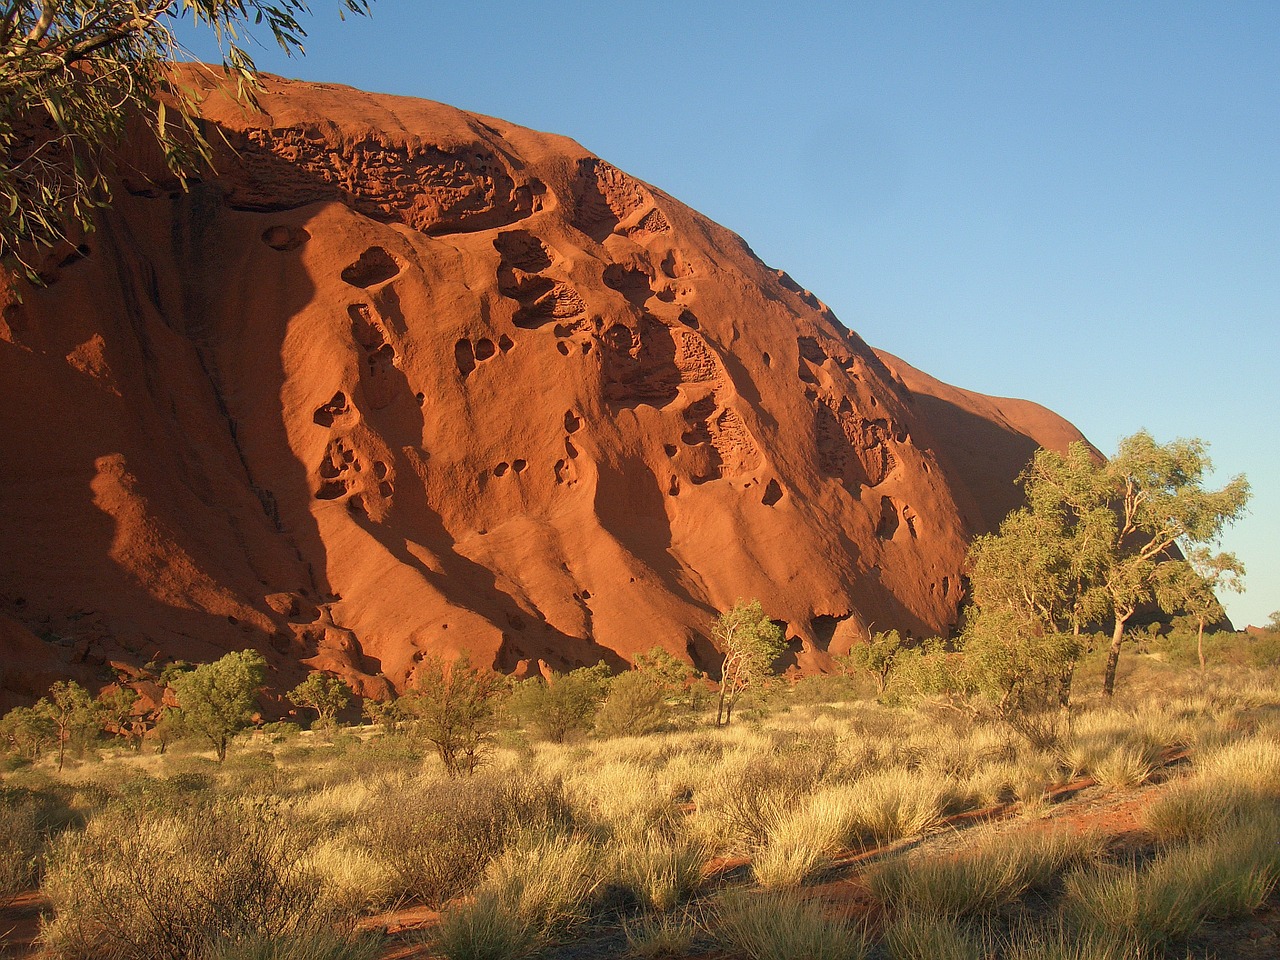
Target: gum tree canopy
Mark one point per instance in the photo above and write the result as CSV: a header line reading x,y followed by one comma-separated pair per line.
x,y
72,75
1113,532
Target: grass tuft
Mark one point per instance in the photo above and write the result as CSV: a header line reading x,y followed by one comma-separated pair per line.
x,y
781,926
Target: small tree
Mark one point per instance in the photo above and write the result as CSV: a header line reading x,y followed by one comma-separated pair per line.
x,y
73,713
26,731
1193,587
1129,517
217,698
323,693
454,705
116,709
875,657
751,643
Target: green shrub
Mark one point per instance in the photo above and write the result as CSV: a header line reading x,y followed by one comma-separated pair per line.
x,y
635,706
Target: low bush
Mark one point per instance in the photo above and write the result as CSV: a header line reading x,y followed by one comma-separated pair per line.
x,y
437,837
142,885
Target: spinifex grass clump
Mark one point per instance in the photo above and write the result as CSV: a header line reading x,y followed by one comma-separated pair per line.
x,y
1228,875
659,872
978,881
781,926
20,842
928,937
537,890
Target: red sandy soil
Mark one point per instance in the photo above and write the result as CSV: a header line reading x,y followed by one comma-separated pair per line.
x,y
401,381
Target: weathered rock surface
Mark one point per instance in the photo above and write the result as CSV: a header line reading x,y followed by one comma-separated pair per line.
x,y
402,380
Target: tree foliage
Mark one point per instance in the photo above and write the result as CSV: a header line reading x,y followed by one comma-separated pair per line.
x,y
565,704
751,643
323,693
876,657
454,706
217,698
74,73
1098,539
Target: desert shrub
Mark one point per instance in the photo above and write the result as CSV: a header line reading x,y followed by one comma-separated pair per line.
x,y
927,937
635,705
317,944
26,732
780,926
138,884
437,836
979,881
566,705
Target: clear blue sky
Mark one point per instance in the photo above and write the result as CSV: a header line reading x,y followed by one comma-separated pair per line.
x,y
1078,203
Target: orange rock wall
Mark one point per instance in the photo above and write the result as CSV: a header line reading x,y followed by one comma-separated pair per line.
x,y
403,381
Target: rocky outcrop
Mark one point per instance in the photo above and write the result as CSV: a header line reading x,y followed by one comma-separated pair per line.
x,y
401,380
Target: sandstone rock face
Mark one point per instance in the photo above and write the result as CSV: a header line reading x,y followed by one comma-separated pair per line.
x,y
403,381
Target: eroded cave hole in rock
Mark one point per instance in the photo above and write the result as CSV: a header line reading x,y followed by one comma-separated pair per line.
x,y
326,413
284,238
465,357
772,493
375,266
888,524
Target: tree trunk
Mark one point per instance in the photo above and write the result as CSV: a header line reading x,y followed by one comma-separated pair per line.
x,y
1113,657
1064,685
1200,644
221,747
720,706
